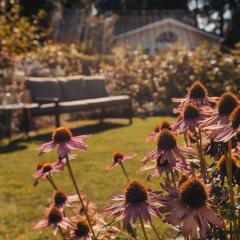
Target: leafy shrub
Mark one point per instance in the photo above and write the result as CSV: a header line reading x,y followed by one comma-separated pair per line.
x,y
153,80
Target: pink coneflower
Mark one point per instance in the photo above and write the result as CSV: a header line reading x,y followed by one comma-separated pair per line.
x,y
53,218
159,168
225,132
118,158
153,136
189,206
82,230
44,170
135,204
64,139
220,115
61,199
168,150
197,94
189,119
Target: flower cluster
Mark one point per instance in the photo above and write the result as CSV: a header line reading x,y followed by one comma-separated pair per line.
x,y
74,217
196,159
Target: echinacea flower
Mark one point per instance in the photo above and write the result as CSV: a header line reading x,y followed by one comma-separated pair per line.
x,y
168,150
225,105
197,94
225,132
44,170
159,168
137,202
153,136
53,218
189,119
64,139
81,231
118,158
61,199
221,169
189,206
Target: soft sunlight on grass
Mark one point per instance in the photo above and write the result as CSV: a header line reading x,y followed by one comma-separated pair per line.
x,y
22,205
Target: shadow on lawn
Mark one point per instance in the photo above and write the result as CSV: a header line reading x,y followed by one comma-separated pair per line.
x,y
87,129
15,145
22,143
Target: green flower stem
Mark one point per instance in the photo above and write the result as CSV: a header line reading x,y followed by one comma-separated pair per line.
x,y
200,153
79,195
186,139
231,231
50,179
238,225
155,231
143,228
228,157
124,171
173,177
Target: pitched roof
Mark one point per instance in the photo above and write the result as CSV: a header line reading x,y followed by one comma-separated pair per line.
x,y
167,21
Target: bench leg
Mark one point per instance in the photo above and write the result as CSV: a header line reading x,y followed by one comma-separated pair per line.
x,y
101,115
130,113
27,121
57,120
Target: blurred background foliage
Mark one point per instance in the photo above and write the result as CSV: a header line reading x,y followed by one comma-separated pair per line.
x,y
154,80
28,46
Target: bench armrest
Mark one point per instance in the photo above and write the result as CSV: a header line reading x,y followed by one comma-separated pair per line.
x,y
47,100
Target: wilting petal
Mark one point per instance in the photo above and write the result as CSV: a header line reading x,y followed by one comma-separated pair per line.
x,y
41,225
213,218
129,156
63,150
188,223
46,147
77,143
153,155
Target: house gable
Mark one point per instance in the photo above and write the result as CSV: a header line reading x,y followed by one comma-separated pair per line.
x,y
162,34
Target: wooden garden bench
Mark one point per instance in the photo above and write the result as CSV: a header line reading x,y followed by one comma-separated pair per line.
x,y
55,96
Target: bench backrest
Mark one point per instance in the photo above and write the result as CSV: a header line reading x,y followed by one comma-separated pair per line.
x,y
67,88
44,88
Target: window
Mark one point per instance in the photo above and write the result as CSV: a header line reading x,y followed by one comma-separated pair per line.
x,y
166,37
165,40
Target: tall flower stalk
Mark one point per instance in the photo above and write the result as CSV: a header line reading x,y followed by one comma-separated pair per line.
x,y
198,137
124,172
79,195
230,183
143,228
51,181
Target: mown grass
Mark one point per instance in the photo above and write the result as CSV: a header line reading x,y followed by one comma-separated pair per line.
x,y
21,205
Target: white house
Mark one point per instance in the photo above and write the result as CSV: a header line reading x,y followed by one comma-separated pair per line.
x,y
160,35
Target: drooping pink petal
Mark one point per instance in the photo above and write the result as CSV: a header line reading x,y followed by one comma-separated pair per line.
x,y
213,218
188,224
46,147
41,225
77,143
129,156
63,150
153,155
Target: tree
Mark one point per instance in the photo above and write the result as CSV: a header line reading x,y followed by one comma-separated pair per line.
x,y
222,15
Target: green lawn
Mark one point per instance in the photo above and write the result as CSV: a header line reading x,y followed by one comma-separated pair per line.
x,y
21,205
